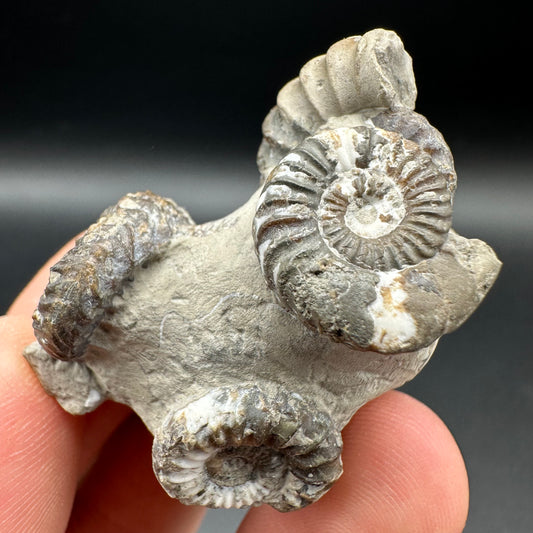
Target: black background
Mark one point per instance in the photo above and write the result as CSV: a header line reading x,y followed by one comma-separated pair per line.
x,y
101,98
83,70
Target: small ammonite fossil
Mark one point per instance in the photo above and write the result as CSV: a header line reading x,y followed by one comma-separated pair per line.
x,y
248,343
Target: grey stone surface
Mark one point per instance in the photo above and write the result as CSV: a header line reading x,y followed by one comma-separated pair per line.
x,y
228,341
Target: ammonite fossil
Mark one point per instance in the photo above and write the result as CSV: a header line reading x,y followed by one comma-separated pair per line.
x,y
248,343
358,202
239,446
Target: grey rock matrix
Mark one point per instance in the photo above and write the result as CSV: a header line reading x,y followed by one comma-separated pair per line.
x,y
246,344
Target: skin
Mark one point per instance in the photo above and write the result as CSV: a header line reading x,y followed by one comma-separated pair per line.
x,y
403,471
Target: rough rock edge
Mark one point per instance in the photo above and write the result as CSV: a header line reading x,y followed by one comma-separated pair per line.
x,y
83,283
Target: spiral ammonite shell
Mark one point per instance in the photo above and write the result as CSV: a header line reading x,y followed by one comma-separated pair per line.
x,y
243,446
386,206
372,71
362,198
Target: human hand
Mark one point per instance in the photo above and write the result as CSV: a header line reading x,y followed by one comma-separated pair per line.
x,y
403,471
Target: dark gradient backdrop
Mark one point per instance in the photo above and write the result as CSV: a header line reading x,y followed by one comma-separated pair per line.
x,y
83,70
101,98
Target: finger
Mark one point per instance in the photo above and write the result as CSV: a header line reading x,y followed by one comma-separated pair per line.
x,y
39,442
99,424
121,492
43,449
403,472
98,427
26,302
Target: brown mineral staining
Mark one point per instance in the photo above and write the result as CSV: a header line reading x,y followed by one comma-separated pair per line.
x,y
335,140
83,284
386,294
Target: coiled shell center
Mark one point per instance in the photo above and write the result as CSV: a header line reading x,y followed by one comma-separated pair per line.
x,y
369,204
236,466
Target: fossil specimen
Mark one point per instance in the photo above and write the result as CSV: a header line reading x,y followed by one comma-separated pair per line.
x,y
246,344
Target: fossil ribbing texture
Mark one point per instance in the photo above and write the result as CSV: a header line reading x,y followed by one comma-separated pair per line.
x,y
248,343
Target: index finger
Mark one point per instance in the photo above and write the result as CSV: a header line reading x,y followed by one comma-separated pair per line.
x,y
40,443
403,472
26,302
44,450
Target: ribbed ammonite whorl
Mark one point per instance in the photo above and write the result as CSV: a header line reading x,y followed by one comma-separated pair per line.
x,y
84,282
363,74
344,205
242,446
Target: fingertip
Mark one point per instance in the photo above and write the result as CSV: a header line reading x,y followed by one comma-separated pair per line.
x,y
26,302
403,472
39,442
399,450
121,492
